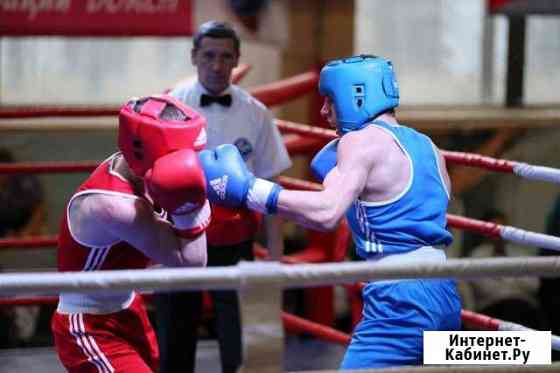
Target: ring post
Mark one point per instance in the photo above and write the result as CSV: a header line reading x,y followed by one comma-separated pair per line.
x,y
260,302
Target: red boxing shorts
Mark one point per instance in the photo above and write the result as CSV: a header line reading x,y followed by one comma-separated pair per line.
x,y
123,341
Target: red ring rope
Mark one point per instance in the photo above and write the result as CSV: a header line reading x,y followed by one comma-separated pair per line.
x,y
47,167
479,320
469,159
477,160
473,225
29,243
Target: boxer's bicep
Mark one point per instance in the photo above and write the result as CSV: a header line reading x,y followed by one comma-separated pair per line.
x,y
103,219
87,218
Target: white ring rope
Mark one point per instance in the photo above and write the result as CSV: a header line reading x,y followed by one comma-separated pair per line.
x,y
539,173
524,237
511,326
506,232
303,275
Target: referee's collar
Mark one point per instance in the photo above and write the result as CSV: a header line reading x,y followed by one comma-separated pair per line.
x,y
200,90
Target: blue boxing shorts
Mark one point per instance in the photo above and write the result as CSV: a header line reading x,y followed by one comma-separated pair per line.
x,y
394,316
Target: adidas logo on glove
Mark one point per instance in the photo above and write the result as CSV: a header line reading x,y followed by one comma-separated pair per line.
x,y
219,185
231,184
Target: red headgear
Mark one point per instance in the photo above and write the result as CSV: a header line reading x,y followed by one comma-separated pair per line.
x,y
144,137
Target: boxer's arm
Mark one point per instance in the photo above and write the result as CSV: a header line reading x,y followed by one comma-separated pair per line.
x,y
343,184
232,184
102,219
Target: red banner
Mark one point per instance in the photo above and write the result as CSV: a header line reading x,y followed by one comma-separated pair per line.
x,y
495,5
96,17
524,7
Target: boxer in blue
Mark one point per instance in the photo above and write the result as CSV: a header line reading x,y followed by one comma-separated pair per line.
x,y
391,183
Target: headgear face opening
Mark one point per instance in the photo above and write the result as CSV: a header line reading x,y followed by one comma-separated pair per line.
x,y
144,134
361,88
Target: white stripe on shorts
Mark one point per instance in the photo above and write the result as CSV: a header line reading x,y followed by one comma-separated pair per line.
x,y
88,345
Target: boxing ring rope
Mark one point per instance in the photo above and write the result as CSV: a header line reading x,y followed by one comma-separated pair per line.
x,y
47,167
292,323
288,89
488,323
295,324
289,276
32,242
524,170
239,72
506,232
262,327
29,301
470,318
489,229
266,273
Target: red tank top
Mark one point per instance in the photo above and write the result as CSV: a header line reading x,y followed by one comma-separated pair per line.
x,y
74,256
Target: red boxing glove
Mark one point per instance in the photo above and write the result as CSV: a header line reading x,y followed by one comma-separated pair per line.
x,y
177,184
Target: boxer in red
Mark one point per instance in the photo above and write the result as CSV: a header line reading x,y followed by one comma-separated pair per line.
x,y
147,201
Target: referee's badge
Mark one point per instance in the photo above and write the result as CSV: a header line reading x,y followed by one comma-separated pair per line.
x,y
244,147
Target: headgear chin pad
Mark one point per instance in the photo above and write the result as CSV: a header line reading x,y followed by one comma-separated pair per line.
x,y
360,87
144,136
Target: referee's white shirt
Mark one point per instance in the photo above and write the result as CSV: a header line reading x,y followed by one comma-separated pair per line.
x,y
247,123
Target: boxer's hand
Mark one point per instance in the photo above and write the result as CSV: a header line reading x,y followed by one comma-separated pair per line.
x,y
324,161
176,183
231,184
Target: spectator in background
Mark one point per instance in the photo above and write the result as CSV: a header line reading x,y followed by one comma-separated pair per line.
x,y
237,118
508,298
21,202
21,214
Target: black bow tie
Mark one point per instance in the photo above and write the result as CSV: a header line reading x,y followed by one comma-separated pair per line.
x,y
206,100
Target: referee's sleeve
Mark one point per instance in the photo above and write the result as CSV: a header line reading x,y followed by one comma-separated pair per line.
x,y
272,157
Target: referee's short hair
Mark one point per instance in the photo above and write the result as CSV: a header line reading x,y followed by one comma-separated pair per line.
x,y
216,29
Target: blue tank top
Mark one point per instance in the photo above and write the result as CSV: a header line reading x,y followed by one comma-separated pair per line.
x,y
414,218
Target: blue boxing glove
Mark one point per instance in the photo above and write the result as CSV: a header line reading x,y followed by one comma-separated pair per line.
x,y
229,183
324,161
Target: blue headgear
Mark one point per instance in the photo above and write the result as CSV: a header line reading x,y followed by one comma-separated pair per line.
x,y
361,88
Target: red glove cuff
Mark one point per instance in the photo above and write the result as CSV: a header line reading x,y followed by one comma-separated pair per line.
x,y
193,223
